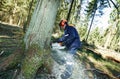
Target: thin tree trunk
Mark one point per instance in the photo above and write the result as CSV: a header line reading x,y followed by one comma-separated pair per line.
x,y
68,16
107,41
94,11
19,21
10,20
28,17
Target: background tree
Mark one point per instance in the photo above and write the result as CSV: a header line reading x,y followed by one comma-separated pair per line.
x,y
15,12
112,33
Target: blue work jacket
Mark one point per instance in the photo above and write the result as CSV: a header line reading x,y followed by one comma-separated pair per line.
x,y
70,38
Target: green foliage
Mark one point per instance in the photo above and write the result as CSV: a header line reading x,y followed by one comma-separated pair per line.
x,y
114,30
14,12
82,30
95,37
90,7
95,5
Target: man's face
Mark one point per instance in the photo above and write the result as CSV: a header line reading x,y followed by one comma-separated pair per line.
x,y
63,24
63,27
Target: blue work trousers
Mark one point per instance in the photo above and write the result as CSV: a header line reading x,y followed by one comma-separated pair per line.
x,y
72,51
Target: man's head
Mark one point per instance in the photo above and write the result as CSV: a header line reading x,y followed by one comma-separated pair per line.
x,y
63,24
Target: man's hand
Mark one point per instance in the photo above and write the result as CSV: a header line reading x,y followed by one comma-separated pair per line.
x,y
61,44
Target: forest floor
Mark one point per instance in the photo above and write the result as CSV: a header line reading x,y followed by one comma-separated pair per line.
x,y
103,68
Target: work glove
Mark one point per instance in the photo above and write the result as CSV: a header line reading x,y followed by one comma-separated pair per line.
x,y
61,43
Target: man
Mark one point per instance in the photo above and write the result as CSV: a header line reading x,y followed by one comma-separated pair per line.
x,y
72,42
70,38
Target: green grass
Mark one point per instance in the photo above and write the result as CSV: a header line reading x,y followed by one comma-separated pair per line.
x,y
109,67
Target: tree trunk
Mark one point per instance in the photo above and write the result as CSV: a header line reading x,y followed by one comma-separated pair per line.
x,y
28,16
37,38
10,20
107,41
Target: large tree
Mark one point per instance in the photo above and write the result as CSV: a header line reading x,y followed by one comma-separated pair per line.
x,y
37,38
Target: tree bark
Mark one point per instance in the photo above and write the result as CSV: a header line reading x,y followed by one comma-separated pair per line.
x,y
37,38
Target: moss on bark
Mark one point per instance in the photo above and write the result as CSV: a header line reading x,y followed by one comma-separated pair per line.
x,y
34,59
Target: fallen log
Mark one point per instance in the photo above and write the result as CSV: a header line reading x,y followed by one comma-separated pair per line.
x,y
105,53
9,30
8,26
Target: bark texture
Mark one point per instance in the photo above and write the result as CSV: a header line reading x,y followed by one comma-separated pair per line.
x,y
37,38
